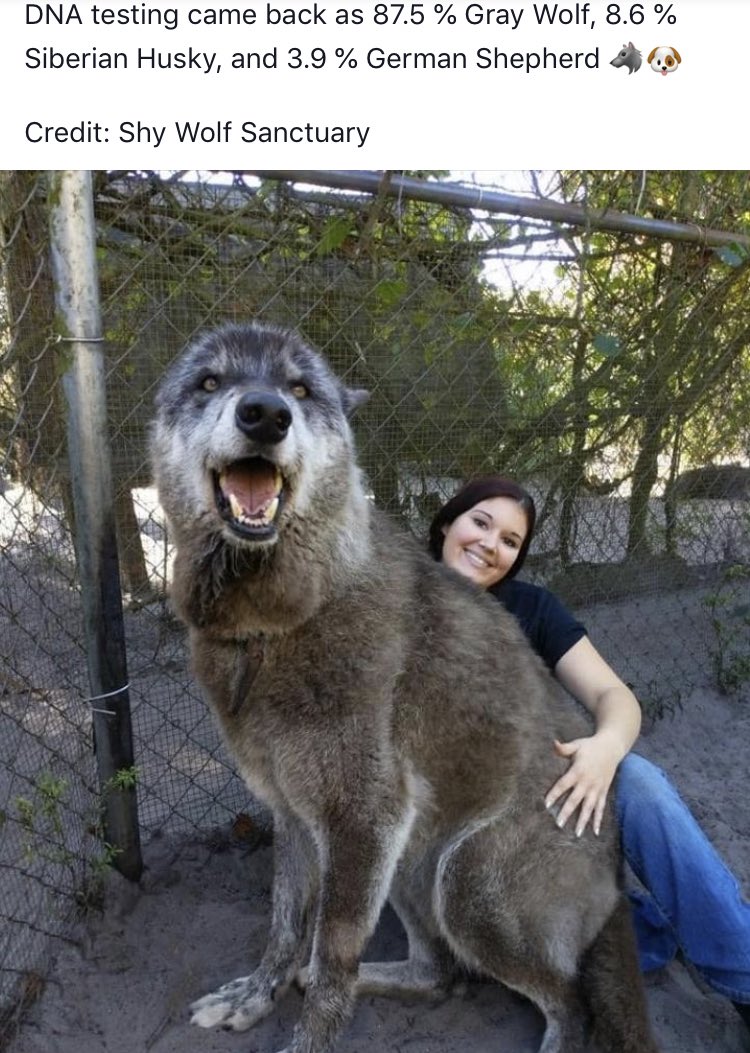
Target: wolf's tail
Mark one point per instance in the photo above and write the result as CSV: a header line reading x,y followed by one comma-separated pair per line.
x,y
612,987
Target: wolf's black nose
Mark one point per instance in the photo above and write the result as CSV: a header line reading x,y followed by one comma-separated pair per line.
x,y
263,416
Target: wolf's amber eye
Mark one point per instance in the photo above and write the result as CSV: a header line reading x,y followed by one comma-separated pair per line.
x,y
299,390
209,384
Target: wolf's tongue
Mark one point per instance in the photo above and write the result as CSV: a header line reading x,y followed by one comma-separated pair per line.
x,y
252,483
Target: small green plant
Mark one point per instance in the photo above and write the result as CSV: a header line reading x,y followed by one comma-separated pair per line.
x,y
124,779
90,893
41,820
729,612
657,702
48,839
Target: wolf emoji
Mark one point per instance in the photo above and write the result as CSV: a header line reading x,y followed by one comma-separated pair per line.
x,y
629,56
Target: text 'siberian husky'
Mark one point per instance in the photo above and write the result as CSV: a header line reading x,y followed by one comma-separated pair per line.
x,y
395,720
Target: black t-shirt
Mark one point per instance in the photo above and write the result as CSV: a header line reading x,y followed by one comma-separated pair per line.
x,y
551,628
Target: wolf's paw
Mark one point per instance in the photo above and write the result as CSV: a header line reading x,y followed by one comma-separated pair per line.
x,y
236,1006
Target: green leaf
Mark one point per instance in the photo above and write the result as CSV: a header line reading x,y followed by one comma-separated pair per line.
x,y
607,345
390,291
25,812
335,232
732,255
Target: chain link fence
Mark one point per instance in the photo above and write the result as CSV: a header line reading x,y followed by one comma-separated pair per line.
x,y
587,333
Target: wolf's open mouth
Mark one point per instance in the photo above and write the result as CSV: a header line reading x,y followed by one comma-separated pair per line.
x,y
249,496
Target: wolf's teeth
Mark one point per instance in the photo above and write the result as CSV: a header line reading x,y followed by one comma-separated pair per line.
x,y
266,516
278,481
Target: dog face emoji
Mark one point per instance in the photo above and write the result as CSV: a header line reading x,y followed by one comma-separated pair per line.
x,y
664,60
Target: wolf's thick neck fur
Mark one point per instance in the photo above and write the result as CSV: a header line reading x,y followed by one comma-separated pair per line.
x,y
236,591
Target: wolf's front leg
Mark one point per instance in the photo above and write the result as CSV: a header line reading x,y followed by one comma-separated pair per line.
x,y
361,856
243,1002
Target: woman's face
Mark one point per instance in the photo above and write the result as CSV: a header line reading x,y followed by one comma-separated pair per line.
x,y
483,543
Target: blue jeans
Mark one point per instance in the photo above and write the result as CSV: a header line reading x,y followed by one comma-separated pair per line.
x,y
694,902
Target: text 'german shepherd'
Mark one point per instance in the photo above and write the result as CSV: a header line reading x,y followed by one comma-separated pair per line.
x,y
396,722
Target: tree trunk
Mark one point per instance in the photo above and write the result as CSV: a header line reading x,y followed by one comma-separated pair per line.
x,y
656,389
575,465
130,550
645,474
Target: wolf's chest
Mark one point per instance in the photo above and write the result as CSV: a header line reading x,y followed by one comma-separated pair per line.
x,y
288,711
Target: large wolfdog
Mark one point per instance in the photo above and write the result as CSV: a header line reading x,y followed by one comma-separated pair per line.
x,y
396,722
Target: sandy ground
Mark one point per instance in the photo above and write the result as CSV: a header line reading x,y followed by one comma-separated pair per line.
x,y
123,983
199,918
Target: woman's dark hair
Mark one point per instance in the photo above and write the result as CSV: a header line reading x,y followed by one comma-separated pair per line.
x,y
483,489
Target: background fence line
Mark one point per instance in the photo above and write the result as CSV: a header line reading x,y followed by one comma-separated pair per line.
x,y
603,364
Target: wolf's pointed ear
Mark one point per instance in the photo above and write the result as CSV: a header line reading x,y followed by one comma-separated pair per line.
x,y
353,398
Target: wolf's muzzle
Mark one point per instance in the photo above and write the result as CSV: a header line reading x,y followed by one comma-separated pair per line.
x,y
263,416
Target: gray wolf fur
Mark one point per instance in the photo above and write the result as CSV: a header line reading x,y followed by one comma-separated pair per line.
x,y
396,722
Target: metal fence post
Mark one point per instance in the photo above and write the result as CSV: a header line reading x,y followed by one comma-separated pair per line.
x,y
73,250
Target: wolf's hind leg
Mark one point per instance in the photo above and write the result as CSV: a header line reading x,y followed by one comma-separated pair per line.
x,y
613,988
412,978
407,979
496,925
243,1002
555,995
430,967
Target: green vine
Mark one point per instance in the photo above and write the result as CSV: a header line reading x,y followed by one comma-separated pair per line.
x,y
729,612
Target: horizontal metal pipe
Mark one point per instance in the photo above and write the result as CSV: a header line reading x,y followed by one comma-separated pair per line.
x,y
510,204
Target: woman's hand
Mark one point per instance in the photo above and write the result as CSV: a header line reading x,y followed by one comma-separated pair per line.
x,y
593,763
594,759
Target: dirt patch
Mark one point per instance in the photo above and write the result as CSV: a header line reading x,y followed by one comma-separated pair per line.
x,y
201,912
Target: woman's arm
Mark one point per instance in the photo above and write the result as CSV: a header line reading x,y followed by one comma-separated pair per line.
x,y
594,759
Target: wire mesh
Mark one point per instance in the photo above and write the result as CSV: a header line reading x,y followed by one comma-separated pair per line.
x,y
605,370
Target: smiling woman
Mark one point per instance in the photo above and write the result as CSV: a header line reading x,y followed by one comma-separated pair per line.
x,y
483,543
486,529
